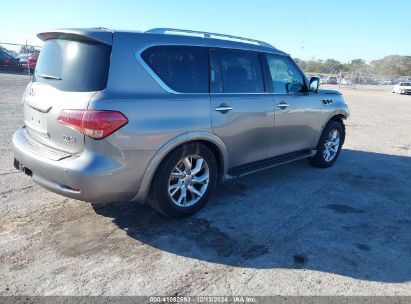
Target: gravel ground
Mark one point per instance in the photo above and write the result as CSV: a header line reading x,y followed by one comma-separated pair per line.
x,y
290,230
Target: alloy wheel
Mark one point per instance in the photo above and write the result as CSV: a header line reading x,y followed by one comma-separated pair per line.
x,y
331,145
188,181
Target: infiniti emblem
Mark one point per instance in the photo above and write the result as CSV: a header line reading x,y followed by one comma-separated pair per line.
x,y
32,92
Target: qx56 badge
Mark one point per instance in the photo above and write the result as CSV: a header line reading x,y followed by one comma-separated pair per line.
x,y
69,139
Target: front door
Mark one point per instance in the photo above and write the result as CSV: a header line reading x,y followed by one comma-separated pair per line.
x,y
297,112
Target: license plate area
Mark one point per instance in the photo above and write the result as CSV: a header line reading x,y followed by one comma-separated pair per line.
x,y
36,120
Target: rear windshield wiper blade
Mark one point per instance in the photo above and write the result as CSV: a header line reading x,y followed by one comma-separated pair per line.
x,y
48,76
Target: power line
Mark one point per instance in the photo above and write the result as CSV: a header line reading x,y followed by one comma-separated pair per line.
x,y
19,44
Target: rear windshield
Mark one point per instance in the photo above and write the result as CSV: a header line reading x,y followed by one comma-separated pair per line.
x,y
75,66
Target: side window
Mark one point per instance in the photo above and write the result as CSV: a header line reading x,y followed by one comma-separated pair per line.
x,y
240,72
285,75
183,68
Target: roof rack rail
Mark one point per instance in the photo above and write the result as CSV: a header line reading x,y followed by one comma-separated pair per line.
x,y
208,35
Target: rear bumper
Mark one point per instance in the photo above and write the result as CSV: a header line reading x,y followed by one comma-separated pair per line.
x,y
91,176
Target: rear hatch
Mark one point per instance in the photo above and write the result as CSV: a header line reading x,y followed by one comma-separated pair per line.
x,y
71,68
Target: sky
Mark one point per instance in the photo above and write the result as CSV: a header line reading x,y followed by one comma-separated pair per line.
x,y
307,29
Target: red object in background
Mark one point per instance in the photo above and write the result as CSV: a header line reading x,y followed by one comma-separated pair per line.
x,y
31,62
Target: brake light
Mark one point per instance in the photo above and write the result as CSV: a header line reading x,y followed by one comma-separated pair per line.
x,y
95,124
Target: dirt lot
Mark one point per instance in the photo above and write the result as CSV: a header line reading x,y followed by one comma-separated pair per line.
x,y
291,230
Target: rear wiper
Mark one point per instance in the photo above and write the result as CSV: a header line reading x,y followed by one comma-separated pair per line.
x,y
48,76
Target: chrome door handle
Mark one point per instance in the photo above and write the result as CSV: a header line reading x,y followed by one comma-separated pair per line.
x,y
283,105
223,108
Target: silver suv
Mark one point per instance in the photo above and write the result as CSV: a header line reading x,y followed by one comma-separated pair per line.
x,y
163,116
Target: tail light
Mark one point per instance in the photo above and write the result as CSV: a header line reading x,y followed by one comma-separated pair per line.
x,y
95,124
7,61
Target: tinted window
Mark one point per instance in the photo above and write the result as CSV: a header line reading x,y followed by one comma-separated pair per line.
x,y
285,75
216,82
73,65
182,68
4,55
240,72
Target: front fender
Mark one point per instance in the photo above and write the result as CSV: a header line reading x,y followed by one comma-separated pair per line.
x,y
171,145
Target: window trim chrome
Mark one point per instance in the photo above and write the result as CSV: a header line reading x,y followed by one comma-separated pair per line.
x,y
165,87
140,60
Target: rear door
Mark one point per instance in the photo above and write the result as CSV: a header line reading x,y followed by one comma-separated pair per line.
x,y
297,112
69,72
242,111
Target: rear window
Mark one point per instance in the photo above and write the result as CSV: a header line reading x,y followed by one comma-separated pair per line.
x,y
182,68
75,66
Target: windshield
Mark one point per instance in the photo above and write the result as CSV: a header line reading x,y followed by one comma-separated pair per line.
x,y
70,65
406,84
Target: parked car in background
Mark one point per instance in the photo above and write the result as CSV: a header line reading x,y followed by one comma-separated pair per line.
x,y
346,81
32,61
371,81
332,80
9,63
402,88
23,60
163,116
28,61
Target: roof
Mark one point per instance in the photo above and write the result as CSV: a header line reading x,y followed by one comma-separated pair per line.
x,y
105,35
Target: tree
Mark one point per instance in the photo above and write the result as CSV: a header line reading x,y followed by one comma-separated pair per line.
x,y
394,65
331,66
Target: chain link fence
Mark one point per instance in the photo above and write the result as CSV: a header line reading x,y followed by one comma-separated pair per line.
x,y
361,80
18,58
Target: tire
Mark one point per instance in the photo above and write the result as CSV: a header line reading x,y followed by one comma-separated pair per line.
x,y
163,197
320,159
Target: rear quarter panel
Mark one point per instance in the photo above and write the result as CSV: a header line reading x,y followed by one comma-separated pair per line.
x,y
155,116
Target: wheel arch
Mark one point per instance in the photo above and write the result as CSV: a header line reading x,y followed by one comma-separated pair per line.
x,y
213,142
339,116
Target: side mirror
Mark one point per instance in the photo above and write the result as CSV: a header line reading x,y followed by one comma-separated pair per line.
x,y
314,84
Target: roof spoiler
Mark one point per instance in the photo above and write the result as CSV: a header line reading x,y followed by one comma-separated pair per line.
x,y
100,35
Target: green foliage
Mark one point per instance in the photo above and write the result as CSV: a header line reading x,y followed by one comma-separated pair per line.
x,y
27,49
394,65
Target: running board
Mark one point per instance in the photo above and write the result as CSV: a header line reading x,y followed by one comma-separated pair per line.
x,y
268,163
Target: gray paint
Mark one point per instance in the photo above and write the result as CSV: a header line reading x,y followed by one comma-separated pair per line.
x,y
121,166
